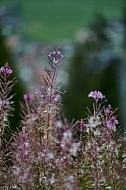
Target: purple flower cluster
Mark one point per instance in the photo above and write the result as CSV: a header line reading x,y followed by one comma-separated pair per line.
x,y
6,70
29,97
96,95
55,57
108,110
41,90
101,116
110,120
111,123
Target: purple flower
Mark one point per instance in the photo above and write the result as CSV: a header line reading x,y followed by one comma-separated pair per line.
x,y
108,110
57,98
40,90
6,69
111,123
55,56
29,96
96,95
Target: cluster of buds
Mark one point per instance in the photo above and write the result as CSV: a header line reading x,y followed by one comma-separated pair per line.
x,y
55,58
6,70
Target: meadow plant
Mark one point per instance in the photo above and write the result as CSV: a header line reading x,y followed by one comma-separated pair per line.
x,y
47,152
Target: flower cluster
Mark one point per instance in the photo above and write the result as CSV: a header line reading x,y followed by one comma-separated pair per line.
x,y
28,96
6,70
96,95
101,116
110,121
56,55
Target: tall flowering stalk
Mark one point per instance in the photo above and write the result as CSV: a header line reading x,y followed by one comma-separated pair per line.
x,y
6,102
6,108
103,157
41,112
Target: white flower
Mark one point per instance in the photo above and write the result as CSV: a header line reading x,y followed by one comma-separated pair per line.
x,y
67,134
94,121
74,149
59,124
52,179
109,187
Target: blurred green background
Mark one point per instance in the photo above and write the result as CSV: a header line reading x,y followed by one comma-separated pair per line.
x,y
92,36
54,20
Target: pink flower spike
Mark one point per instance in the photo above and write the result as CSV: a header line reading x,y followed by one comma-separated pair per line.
x,y
108,110
95,95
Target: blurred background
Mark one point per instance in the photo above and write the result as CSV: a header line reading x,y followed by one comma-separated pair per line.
x,y
90,33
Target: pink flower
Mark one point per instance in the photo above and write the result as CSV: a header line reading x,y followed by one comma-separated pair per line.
x,y
57,98
55,57
6,69
108,110
95,95
40,90
29,96
111,123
